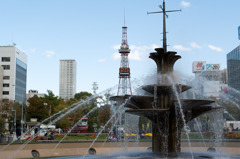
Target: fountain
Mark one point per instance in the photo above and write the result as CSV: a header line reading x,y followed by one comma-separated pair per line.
x,y
168,113
162,106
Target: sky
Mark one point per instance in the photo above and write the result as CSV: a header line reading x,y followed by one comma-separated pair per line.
x,y
90,32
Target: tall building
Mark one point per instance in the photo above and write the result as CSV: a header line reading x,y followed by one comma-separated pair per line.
x,y
67,79
209,79
233,68
13,74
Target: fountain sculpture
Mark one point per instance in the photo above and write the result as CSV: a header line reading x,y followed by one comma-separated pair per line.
x,y
163,108
168,113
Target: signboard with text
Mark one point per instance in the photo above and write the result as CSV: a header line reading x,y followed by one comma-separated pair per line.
x,y
239,33
198,66
212,67
124,71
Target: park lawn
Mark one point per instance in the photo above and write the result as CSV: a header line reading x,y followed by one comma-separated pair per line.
x,y
82,137
73,138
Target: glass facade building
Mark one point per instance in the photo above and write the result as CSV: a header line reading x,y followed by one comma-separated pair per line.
x,y
21,80
233,69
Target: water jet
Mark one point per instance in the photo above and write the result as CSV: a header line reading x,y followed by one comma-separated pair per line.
x,y
162,106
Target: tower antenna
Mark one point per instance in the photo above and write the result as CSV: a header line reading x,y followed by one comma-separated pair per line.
x,y
124,86
164,11
124,16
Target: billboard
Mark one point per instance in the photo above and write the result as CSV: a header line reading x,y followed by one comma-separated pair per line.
x,y
124,71
198,66
212,67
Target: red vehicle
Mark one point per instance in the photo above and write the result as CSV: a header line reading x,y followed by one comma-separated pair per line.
x,y
82,127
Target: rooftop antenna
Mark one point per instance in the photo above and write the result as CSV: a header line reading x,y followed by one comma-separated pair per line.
x,y
124,17
95,87
164,23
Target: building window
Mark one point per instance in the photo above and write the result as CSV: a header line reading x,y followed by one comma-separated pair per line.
x,y
6,77
5,92
6,67
5,59
5,84
5,100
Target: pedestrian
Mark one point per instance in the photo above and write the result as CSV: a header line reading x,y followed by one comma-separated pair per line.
x,y
51,136
45,137
18,133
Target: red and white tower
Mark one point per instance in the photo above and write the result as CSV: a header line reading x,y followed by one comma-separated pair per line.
x,y
124,86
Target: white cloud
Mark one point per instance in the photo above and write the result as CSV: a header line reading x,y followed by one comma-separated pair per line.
x,y
101,60
116,47
137,52
135,55
181,48
31,50
185,4
218,49
49,53
116,56
195,45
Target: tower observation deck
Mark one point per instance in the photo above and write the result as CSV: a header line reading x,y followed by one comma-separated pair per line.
x,y
124,86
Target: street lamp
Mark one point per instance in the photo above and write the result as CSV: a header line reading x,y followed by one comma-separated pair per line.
x,y
50,111
22,120
14,110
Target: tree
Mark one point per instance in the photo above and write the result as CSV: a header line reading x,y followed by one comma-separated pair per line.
x,y
2,126
82,95
104,115
37,109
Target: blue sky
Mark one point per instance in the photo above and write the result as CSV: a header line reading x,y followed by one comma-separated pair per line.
x,y
90,32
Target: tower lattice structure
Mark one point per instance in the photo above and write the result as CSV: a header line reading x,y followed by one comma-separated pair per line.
x,y
124,86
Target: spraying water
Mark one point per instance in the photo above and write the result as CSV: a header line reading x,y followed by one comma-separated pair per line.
x,y
196,121
72,108
93,109
120,107
181,111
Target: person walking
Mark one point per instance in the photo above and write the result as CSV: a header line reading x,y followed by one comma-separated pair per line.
x,y
18,133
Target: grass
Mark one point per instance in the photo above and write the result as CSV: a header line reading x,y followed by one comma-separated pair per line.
x,y
74,138
83,137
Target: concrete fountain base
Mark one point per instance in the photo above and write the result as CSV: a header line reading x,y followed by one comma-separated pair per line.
x,y
80,148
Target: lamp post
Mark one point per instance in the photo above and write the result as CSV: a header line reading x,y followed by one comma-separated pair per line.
x,y
22,121
14,110
50,111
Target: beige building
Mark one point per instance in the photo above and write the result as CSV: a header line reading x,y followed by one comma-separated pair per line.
x,y
67,79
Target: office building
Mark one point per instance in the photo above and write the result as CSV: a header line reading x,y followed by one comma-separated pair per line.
x,y
13,74
67,79
209,79
233,69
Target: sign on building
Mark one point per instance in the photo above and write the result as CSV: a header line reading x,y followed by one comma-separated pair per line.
x,y
198,66
212,67
239,32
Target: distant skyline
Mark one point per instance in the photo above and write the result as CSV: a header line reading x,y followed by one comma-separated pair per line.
x,y
90,32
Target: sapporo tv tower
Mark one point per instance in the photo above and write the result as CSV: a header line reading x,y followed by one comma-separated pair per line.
x,y
124,86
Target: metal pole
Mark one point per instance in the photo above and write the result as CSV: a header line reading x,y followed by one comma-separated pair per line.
x,y
50,111
22,119
164,29
15,120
